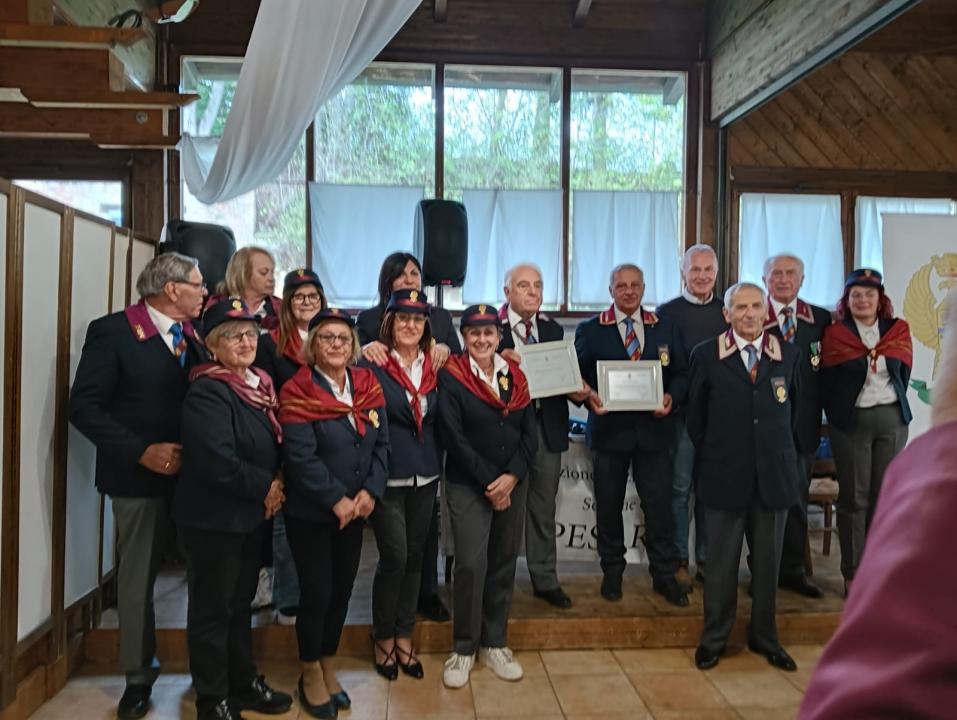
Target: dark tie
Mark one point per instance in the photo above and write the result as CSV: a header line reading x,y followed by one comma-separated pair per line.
x,y
529,337
179,343
752,361
788,327
632,346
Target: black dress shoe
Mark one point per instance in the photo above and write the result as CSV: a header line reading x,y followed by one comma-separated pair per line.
x,y
325,710
556,597
261,698
704,659
135,702
779,658
611,587
432,608
221,711
342,700
388,668
801,585
410,664
671,591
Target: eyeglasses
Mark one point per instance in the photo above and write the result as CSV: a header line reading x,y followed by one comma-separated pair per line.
x,y
201,286
307,299
237,337
333,339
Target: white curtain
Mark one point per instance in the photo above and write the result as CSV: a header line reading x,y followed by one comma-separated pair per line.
x,y
869,240
300,54
613,227
807,226
507,227
353,228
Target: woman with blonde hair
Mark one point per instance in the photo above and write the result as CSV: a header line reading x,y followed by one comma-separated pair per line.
x,y
251,276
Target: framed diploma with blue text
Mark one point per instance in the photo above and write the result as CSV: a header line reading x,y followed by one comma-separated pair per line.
x,y
551,368
630,384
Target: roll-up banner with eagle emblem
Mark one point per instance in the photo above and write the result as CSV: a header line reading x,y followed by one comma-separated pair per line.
x,y
920,269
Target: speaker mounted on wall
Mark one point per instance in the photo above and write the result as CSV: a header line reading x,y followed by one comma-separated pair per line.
x,y
441,242
212,245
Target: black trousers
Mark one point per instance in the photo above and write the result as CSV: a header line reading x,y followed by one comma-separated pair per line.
x,y
795,530
652,472
327,560
222,571
429,577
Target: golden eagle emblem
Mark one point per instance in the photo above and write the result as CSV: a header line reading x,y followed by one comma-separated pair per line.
x,y
923,311
374,418
237,304
482,309
503,382
414,296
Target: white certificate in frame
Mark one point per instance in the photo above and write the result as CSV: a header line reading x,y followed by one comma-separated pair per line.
x,y
630,384
551,368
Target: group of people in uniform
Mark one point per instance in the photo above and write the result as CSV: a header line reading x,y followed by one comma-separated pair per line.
x,y
239,411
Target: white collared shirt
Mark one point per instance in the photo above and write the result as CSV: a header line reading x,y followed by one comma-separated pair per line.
x,y
518,335
163,323
779,314
758,342
639,326
498,366
344,396
877,389
252,379
693,299
303,334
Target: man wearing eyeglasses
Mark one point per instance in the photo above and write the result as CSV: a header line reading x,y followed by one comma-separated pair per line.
x,y
127,398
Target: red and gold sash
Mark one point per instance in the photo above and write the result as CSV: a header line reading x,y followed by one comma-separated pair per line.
x,y
461,369
841,344
293,349
303,400
428,383
262,397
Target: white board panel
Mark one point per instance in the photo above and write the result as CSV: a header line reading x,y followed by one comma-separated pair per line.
x,y
41,263
120,249
109,537
4,201
142,253
89,300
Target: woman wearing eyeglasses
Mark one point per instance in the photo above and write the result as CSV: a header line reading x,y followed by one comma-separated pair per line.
x,y
336,451
228,486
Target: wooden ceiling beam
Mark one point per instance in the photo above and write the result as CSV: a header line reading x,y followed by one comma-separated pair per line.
x,y
106,127
99,100
441,10
68,36
580,14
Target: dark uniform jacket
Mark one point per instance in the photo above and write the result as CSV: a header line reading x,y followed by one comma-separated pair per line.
x,y
230,457
409,453
327,460
841,384
811,323
278,367
552,412
128,394
598,339
743,432
369,321
481,444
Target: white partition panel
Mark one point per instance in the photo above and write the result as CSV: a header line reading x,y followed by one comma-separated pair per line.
x,y
121,247
4,200
143,252
89,300
41,267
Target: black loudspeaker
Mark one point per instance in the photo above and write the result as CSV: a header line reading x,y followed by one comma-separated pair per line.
x,y
212,245
442,241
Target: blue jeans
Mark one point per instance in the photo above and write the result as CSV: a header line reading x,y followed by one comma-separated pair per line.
x,y
681,491
285,581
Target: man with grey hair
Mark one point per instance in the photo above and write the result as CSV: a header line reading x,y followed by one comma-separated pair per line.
x,y
698,313
741,416
127,398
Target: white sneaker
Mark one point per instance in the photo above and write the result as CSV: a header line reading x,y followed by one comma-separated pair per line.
x,y
285,619
502,663
263,596
457,669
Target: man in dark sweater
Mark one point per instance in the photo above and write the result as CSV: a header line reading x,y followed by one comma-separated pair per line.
x,y
699,316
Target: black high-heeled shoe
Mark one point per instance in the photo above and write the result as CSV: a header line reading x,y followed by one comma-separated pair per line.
x,y
388,670
413,668
327,710
342,700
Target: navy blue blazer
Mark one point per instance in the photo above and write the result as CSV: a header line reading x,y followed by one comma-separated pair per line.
x,y
598,339
327,460
841,384
743,432
278,367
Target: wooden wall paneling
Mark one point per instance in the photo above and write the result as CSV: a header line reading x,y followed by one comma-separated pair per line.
x,y
804,142
692,140
707,159
149,192
848,228
920,72
750,139
845,148
781,144
890,183
10,209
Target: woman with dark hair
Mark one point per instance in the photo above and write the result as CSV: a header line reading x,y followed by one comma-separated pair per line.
x,y
402,517
867,358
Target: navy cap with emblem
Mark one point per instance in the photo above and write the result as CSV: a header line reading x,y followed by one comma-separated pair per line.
x,y
478,315
230,308
409,301
301,276
865,277
331,314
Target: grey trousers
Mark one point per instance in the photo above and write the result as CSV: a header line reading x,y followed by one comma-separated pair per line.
x,y
486,548
861,457
141,525
540,550
726,534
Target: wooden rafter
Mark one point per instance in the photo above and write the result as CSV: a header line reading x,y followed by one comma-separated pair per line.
x,y
581,8
441,10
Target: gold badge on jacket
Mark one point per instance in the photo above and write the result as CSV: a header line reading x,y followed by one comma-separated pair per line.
x,y
374,418
815,355
503,382
664,355
139,332
780,389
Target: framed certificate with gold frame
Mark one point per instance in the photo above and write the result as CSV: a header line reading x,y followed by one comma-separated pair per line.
x,y
628,385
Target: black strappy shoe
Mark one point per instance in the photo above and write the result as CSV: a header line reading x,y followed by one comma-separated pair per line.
x,y
388,670
412,668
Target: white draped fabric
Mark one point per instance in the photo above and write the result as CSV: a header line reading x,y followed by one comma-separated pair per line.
x,y
301,53
869,243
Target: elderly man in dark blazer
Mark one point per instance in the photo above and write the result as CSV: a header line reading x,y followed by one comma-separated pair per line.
x,y
127,399
643,441
802,325
742,416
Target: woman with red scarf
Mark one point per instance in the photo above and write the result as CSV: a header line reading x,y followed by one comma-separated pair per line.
x,y
229,485
336,452
487,424
402,517
866,363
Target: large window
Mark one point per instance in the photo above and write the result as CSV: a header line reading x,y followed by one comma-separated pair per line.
x,y
869,223
273,215
101,198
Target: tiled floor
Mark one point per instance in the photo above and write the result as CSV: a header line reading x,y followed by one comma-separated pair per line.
x,y
580,684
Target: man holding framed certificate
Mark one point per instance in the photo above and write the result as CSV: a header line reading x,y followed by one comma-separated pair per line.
x,y
524,328
639,440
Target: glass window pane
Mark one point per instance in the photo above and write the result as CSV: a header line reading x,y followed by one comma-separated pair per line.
x,y
101,198
869,243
